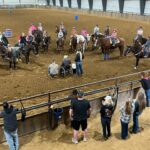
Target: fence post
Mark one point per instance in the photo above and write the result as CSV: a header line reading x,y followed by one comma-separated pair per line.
x,y
49,112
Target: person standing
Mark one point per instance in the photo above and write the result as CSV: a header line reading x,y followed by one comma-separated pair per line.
x,y
10,126
79,112
145,81
125,116
106,115
78,60
139,106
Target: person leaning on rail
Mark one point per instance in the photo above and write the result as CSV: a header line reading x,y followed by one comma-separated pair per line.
x,y
145,81
79,112
10,125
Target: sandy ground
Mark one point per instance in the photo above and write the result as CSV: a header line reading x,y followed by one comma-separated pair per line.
x,y
61,137
32,79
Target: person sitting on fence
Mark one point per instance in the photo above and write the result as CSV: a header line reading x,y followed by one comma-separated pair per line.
x,y
139,35
66,63
40,27
106,115
146,47
53,69
22,40
107,31
114,37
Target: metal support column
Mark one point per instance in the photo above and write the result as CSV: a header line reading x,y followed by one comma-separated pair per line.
x,y
121,5
69,3
79,4
90,4
104,3
142,6
61,3
54,2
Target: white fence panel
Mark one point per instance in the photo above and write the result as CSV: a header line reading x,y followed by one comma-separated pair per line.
x,y
132,6
1,2
85,4
65,3
11,2
74,4
97,5
42,2
58,3
112,5
29,2
147,7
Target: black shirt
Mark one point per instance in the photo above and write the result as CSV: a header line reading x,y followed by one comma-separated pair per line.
x,y
10,119
106,111
80,108
145,83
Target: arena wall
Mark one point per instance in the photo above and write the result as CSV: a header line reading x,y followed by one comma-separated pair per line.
x,y
141,7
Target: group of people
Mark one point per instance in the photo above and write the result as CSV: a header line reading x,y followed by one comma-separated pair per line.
x,y
77,67
80,112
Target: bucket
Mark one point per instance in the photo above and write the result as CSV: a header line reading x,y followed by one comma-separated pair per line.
x,y
58,113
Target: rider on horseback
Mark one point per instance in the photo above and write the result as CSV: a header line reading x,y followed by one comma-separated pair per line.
x,y
139,35
30,39
62,27
60,36
84,33
22,40
40,27
107,31
3,40
96,33
31,29
114,37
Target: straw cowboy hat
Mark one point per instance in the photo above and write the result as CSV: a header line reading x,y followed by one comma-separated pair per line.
x,y
108,100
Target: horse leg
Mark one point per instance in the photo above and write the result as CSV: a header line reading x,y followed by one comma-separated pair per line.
x,y
137,63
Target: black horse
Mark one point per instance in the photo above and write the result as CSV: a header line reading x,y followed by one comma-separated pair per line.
x,y
25,51
137,50
45,43
2,51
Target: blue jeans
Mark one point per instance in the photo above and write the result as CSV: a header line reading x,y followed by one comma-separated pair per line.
x,y
79,68
135,128
124,130
147,93
12,140
106,126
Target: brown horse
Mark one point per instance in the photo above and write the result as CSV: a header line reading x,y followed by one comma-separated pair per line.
x,y
106,46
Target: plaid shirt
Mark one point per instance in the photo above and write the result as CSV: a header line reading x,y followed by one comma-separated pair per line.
x,y
125,117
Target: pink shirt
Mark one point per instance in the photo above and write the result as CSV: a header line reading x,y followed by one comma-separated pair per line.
x,y
32,28
84,33
114,34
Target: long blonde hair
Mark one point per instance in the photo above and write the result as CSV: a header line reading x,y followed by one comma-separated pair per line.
x,y
128,108
141,101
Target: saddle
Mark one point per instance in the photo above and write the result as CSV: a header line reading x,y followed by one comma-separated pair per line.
x,y
116,41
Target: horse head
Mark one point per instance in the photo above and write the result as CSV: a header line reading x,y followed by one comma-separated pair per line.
x,y
128,50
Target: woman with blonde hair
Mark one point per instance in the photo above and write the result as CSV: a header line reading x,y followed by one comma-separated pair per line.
x,y
125,115
139,106
106,112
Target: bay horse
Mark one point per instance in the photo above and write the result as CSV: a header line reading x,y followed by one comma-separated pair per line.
x,y
137,50
60,44
106,45
73,44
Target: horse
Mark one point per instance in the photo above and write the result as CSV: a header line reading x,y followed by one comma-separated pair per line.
x,y
95,44
25,51
73,44
106,45
64,31
45,43
137,50
2,51
60,44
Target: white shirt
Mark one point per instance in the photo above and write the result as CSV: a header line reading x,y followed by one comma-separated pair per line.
x,y
60,34
80,55
140,32
40,28
1,37
53,68
96,30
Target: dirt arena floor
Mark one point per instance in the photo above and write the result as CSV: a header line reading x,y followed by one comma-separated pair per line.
x,y
33,79
60,139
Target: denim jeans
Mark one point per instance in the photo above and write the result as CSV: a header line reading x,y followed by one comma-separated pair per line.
x,y
79,68
124,130
12,140
147,93
135,128
106,126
